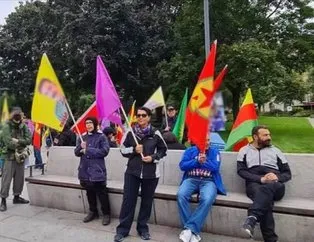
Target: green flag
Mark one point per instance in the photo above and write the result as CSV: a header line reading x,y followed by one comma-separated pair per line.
x,y
178,129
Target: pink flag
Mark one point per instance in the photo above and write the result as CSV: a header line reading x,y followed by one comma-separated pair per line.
x,y
107,99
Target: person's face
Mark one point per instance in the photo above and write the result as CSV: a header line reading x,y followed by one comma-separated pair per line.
x,y
142,118
89,126
171,112
17,118
263,138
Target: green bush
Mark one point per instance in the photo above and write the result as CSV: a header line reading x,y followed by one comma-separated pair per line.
x,y
304,113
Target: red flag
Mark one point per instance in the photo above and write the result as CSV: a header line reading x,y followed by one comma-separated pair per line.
x,y
37,136
90,112
119,134
197,114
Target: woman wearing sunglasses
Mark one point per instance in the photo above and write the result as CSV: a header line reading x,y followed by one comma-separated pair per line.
x,y
142,171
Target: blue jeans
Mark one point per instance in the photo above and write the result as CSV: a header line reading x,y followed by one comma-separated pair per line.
x,y
38,159
208,192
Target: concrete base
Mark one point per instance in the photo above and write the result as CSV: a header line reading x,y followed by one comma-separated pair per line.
x,y
221,220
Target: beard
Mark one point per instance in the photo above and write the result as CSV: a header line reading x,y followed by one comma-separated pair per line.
x,y
264,143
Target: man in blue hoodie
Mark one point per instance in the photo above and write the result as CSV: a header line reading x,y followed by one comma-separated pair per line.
x,y
201,175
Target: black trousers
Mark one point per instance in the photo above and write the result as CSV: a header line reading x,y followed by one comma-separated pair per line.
x,y
263,197
94,190
131,189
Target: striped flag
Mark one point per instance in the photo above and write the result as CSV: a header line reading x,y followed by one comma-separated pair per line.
x,y
246,120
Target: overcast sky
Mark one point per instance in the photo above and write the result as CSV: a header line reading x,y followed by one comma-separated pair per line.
x,y
7,6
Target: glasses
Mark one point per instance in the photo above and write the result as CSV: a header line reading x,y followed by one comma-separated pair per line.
x,y
143,115
88,122
170,109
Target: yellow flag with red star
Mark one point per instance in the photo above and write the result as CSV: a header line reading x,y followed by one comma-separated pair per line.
x,y
197,114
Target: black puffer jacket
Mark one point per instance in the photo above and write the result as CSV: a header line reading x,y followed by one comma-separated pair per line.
x,y
153,145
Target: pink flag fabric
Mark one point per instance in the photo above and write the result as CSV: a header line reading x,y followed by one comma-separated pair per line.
x,y
107,99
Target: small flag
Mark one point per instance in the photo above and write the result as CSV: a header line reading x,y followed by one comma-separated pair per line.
x,y
156,100
178,129
5,111
246,120
132,117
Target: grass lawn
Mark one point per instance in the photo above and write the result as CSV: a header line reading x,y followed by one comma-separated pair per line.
x,y
290,134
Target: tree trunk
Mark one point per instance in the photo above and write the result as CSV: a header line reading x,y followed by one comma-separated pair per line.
x,y
235,103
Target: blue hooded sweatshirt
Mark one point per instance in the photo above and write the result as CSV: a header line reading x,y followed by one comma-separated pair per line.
x,y
190,161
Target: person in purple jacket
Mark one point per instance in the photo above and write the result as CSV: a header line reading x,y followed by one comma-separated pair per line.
x,y
92,170
202,176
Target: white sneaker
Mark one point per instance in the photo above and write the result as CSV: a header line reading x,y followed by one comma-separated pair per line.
x,y
195,238
185,235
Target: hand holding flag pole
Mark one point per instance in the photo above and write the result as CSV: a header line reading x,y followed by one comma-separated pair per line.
x,y
129,125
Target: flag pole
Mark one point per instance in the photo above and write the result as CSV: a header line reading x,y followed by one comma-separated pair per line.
x,y
166,117
129,125
71,114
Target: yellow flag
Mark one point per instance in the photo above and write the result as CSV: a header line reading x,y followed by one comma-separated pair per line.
x,y
45,135
156,100
49,103
5,111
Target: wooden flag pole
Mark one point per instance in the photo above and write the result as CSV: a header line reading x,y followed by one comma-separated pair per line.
x,y
129,125
71,114
166,117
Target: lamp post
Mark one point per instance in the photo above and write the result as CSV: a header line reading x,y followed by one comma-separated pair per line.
x,y
206,27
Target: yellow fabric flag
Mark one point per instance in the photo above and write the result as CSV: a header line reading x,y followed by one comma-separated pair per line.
x,y
49,103
5,111
156,100
45,135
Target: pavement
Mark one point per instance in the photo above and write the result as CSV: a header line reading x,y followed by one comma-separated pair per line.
x,y
27,223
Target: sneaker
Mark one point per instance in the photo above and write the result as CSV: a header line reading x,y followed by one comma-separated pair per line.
x,y
145,236
185,235
195,238
19,200
118,238
249,225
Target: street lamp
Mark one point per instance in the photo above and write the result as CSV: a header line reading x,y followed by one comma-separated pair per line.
x,y
206,27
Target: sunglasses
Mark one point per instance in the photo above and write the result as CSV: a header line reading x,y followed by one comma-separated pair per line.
x,y
143,115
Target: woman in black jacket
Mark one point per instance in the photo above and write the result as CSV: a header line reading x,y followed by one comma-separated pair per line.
x,y
142,170
92,171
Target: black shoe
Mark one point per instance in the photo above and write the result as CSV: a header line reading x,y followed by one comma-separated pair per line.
x,y
249,225
90,216
145,236
3,206
119,238
19,200
106,220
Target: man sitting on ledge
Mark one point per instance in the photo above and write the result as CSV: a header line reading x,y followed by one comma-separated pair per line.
x,y
265,169
201,176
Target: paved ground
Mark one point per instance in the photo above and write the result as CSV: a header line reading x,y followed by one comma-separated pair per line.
x,y
26,223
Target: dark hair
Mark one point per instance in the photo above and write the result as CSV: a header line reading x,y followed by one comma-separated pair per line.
x,y
257,128
94,120
169,137
171,106
109,130
147,110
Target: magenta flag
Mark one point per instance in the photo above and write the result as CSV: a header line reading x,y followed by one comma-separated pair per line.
x,y
107,99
